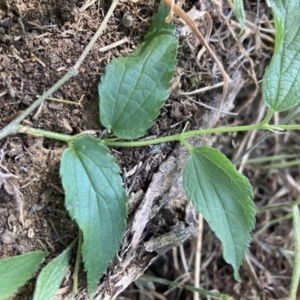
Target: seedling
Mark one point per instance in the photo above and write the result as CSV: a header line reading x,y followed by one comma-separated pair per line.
x,y
132,91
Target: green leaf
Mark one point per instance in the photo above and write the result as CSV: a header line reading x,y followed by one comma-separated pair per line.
x,y
134,88
224,197
96,200
51,276
240,13
17,270
281,82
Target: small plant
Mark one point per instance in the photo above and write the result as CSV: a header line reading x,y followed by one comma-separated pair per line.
x,y
132,91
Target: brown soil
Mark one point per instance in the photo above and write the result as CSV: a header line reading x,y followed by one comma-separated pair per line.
x,y
39,42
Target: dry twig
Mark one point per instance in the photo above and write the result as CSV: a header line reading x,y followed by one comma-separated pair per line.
x,y
195,30
13,126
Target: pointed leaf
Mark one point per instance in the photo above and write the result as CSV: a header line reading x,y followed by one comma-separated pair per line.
x,y
51,276
281,82
17,270
134,88
96,200
224,197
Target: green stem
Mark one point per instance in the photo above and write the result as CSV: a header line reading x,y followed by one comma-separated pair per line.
x,y
172,138
148,278
77,264
12,126
63,101
90,45
184,135
281,165
276,206
296,272
281,127
187,145
45,133
274,221
268,117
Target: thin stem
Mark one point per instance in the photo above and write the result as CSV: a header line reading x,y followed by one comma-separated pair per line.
x,y
281,165
204,89
274,221
45,133
293,114
188,20
276,206
148,278
63,101
187,145
172,138
268,116
96,35
198,256
180,136
77,264
296,272
281,127
12,126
